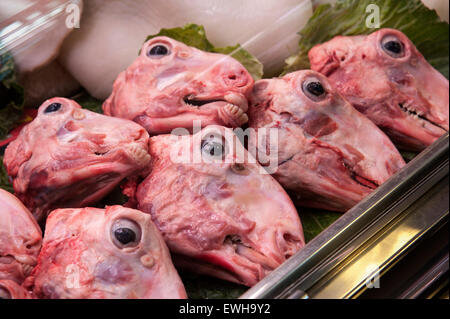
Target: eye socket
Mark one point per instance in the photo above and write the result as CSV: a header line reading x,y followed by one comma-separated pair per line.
x,y
213,147
125,233
158,51
393,46
314,89
53,108
4,293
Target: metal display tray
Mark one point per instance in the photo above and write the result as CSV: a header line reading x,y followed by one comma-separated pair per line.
x,y
353,253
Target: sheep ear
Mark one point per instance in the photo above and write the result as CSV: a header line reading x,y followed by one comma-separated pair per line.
x,y
323,61
108,105
17,153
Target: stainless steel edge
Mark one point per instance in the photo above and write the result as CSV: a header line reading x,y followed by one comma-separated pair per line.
x,y
378,214
440,269
364,268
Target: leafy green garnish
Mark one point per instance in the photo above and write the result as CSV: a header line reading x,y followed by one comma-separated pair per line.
x,y
408,156
314,221
4,181
251,63
348,17
195,36
88,102
204,287
191,34
11,95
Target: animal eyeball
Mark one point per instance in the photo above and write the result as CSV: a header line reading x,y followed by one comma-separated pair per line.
x,y
393,46
53,107
125,233
314,89
213,147
4,293
158,51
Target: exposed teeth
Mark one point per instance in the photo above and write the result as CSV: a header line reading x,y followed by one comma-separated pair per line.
x,y
187,99
416,114
27,269
419,115
197,102
243,119
236,114
237,99
234,110
139,154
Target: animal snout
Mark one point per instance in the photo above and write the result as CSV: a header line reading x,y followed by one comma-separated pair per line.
x,y
289,244
236,78
33,244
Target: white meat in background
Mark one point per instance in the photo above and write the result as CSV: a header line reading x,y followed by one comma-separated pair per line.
x,y
33,32
441,6
112,31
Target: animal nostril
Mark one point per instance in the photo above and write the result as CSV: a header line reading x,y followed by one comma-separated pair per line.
x,y
32,245
290,245
287,237
236,78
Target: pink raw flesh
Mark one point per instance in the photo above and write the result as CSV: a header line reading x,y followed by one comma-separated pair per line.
x,y
71,157
82,257
329,155
220,216
171,90
12,290
20,239
399,91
